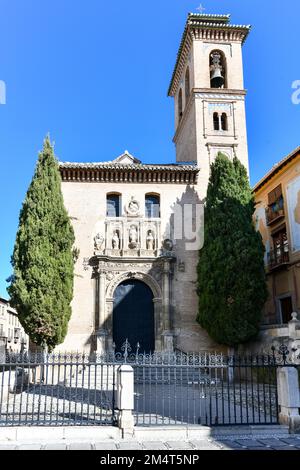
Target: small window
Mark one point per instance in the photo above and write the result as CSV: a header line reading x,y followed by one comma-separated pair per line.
x,y
224,122
275,195
187,85
180,108
275,207
113,205
216,122
152,206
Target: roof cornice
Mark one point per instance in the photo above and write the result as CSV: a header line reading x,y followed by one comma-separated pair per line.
x,y
276,169
123,173
212,27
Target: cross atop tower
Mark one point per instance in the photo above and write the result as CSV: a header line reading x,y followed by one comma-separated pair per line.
x,y
201,9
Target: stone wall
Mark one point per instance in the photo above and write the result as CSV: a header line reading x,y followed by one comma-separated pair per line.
x,y
86,204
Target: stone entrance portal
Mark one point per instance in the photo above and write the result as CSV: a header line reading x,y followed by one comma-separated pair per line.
x,y
133,316
126,289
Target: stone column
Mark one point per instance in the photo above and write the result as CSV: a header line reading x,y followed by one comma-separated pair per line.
x,y
288,397
158,324
166,295
102,332
125,400
109,323
167,335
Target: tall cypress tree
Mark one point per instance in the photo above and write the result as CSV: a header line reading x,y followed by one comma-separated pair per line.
x,y
43,262
231,276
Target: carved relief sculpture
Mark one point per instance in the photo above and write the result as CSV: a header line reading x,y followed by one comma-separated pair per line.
x,y
167,246
133,208
98,242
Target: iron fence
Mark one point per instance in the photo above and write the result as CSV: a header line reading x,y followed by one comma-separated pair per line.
x,y
206,389
176,388
170,388
56,389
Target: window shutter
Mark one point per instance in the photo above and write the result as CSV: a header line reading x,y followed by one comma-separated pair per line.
x,y
275,195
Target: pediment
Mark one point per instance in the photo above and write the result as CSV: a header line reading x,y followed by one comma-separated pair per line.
x,y
127,159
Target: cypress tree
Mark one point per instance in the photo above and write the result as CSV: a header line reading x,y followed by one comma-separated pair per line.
x,y
42,284
231,276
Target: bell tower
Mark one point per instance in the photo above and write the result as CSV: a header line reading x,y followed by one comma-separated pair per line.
x,y
208,89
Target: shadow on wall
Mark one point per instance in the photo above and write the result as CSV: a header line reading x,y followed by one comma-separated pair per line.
x,y
185,230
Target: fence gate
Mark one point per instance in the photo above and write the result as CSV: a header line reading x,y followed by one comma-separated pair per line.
x,y
47,390
203,389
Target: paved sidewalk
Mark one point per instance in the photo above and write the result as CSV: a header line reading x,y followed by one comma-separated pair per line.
x,y
156,438
233,443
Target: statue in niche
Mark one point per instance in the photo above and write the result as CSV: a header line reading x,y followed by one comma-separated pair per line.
x,y
133,237
98,242
115,241
150,242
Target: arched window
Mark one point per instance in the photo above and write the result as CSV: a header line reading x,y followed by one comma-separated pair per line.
x,y
224,122
113,205
218,70
152,206
180,105
216,122
187,85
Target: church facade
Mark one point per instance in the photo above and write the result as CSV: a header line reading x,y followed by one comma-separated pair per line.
x,y
138,226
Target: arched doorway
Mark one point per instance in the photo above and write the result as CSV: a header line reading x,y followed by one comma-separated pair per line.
x,y
133,316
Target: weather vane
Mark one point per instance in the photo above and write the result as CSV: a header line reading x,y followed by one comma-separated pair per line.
x,y
200,8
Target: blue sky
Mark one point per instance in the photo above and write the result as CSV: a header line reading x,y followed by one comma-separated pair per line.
x,y
95,75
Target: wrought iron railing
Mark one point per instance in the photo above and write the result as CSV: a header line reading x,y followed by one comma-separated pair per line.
x,y
272,214
279,255
170,387
56,389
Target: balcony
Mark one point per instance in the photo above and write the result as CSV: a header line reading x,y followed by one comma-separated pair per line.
x,y
274,215
279,255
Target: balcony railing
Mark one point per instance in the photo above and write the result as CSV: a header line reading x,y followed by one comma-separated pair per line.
x,y
279,255
274,215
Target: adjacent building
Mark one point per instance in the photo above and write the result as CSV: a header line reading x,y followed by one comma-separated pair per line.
x,y
277,215
12,335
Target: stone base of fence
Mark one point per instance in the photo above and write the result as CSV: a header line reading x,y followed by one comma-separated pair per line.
x,y
113,434
289,398
291,420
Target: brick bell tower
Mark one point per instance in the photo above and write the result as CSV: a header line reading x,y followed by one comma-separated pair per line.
x,y
208,88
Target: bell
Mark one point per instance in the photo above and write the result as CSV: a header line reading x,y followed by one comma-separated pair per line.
x,y
217,80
